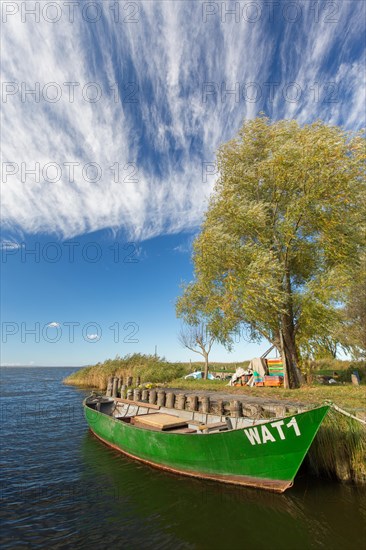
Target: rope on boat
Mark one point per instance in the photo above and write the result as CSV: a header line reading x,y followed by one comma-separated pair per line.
x,y
342,411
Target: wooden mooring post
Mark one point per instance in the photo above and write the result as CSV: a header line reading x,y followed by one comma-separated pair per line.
x,y
205,404
137,394
170,399
235,408
115,387
219,409
180,401
161,398
130,394
109,387
152,397
192,403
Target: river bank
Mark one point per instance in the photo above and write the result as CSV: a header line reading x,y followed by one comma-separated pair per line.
x,y
339,450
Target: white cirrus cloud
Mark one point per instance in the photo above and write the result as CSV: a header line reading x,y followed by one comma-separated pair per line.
x,y
54,324
179,66
93,336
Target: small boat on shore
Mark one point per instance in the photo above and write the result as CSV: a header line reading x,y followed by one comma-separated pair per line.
x,y
262,453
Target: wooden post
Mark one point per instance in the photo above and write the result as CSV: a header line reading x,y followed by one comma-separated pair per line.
x,y
109,387
235,408
192,403
130,394
115,386
129,381
220,407
152,397
205,404
170,398
226,408
137,394
123,391
119,384
145,396
161,398
252,411
279,411
180,401
138,380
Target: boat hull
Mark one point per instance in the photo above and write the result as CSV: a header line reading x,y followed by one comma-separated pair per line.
x,y
265,456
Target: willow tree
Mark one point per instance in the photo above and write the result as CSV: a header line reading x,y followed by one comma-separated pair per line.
x,y
281,236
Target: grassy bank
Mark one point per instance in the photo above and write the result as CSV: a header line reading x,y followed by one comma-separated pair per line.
x,y
157,371
339,449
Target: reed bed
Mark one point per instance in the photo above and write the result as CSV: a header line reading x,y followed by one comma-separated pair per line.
x,y
149,368
339,449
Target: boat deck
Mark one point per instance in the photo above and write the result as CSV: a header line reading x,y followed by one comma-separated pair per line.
x,y
151,417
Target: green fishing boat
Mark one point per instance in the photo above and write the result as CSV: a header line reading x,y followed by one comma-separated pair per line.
x,y
259,453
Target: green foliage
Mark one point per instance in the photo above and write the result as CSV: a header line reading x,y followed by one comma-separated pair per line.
x,y
149,367
281,239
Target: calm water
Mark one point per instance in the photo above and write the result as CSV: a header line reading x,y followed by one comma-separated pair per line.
x,y
61,488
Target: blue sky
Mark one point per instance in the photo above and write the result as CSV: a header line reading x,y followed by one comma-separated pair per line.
x,y
112,114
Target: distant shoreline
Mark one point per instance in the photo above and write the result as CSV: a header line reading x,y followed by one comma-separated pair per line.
x,y
42,367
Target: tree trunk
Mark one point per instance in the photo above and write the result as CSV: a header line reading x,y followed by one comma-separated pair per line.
x,y
206,366
289,349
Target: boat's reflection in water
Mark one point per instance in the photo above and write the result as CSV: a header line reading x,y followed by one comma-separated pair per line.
x,y
147,508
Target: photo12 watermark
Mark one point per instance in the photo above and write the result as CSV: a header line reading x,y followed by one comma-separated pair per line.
x,y
68,332
68,92
254,92
69,172
70,252
271,11
70,11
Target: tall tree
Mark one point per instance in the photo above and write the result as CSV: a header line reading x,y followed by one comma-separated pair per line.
x,y
281,235
197,339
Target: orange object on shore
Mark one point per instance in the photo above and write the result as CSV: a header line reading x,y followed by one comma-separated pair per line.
x,y
274,381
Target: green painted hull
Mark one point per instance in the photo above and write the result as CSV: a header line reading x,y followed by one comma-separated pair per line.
x,y
266,456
